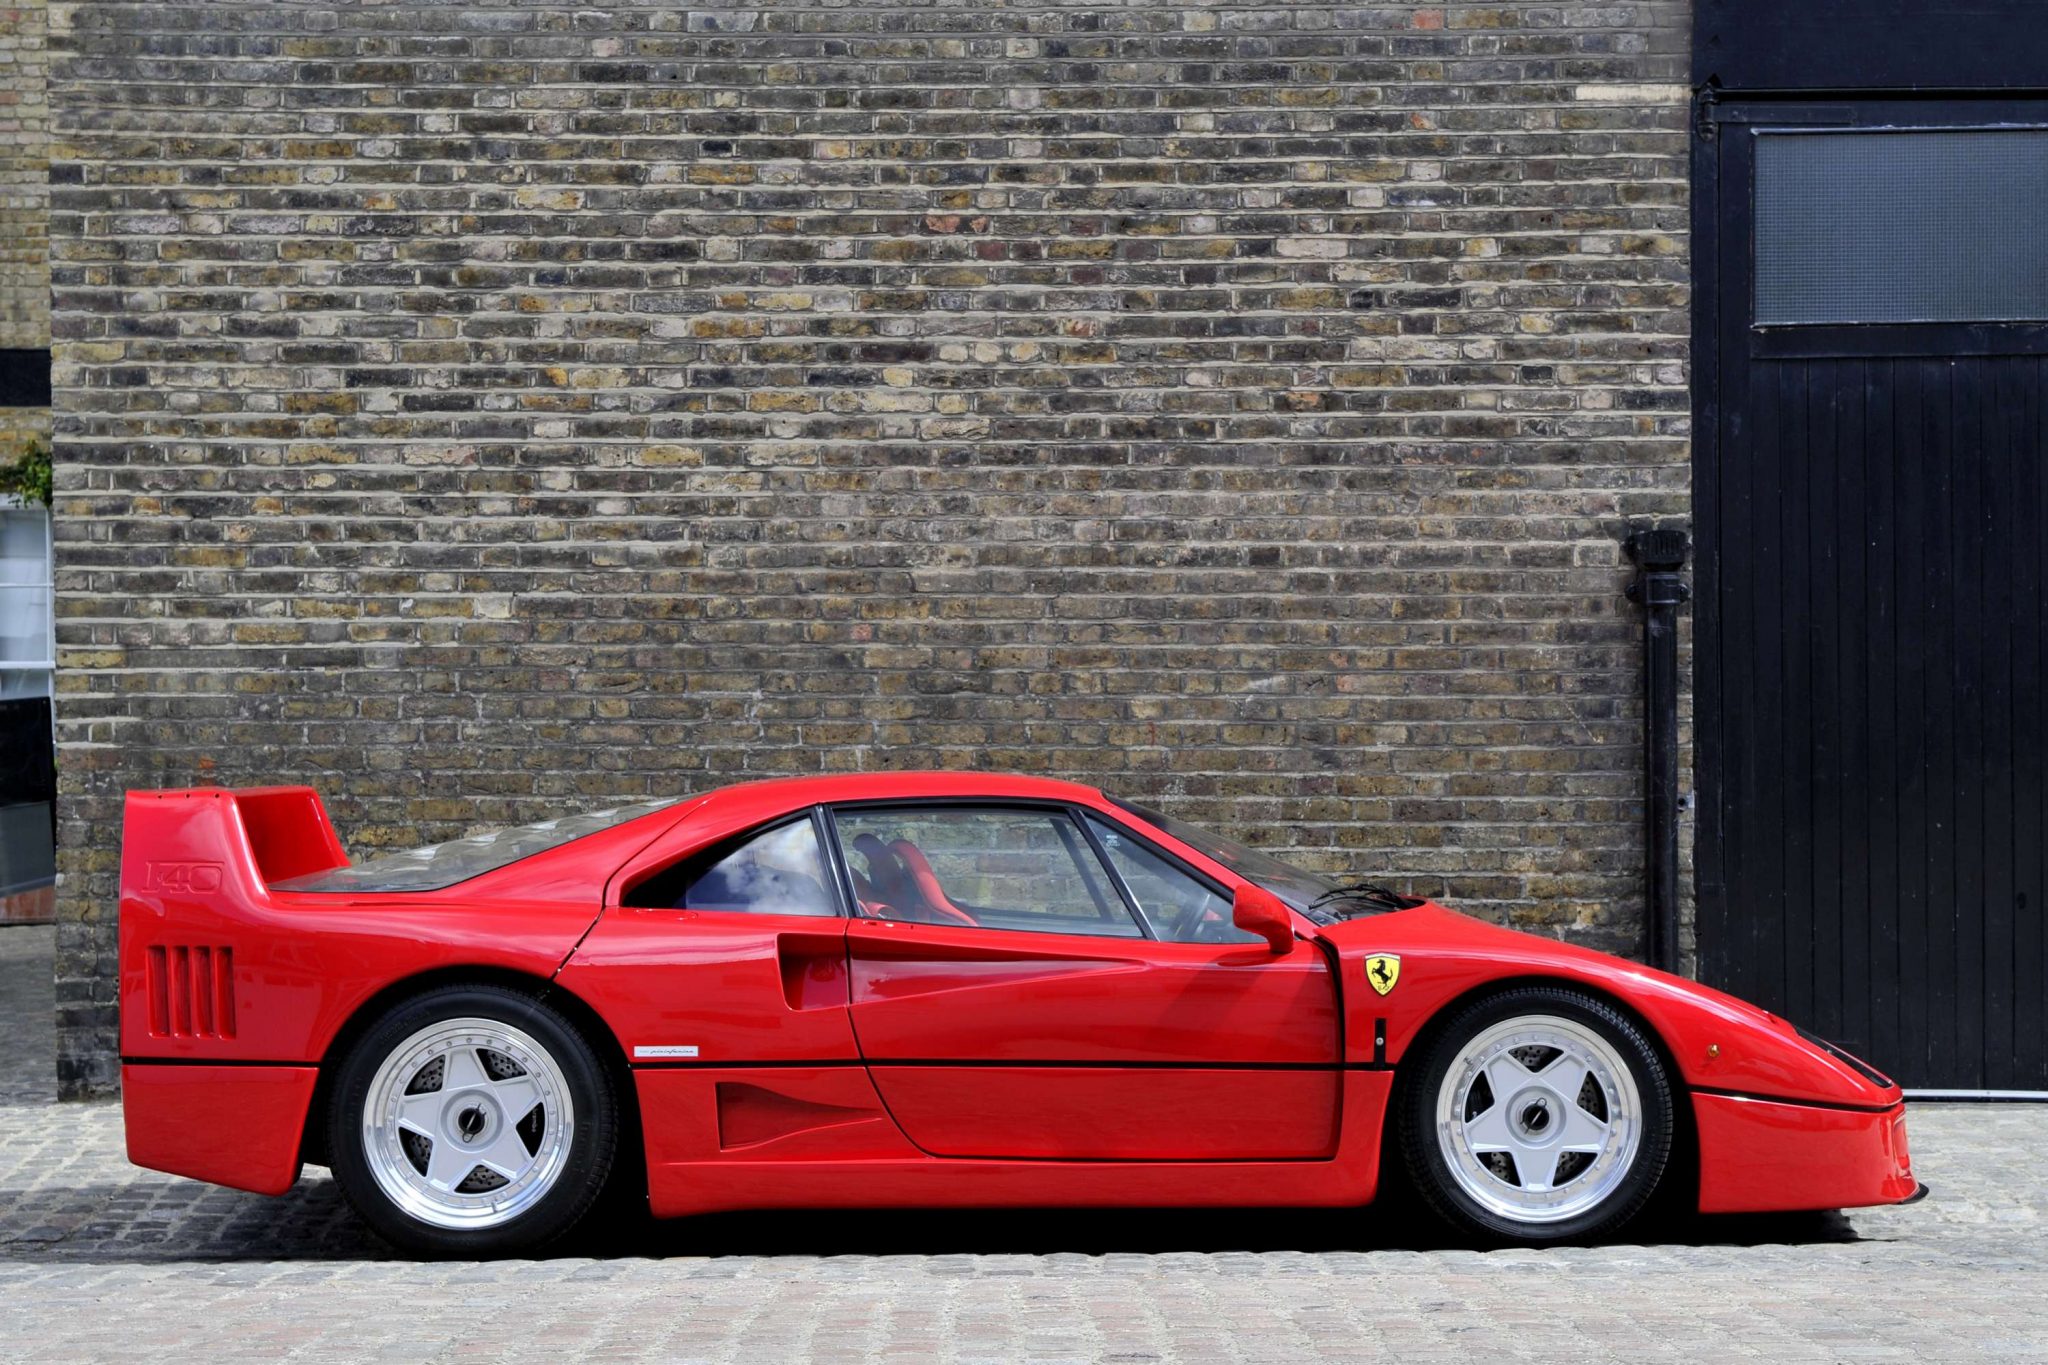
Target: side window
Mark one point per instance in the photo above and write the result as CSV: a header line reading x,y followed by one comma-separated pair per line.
x,y
1179,908
779,871
996,868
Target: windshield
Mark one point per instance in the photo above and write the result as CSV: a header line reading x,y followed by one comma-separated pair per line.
x,y
1309,892
442,865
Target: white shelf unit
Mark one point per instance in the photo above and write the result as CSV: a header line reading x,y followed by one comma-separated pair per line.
x,y
28,604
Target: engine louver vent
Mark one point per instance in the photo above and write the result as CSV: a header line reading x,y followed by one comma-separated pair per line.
x,y
192,992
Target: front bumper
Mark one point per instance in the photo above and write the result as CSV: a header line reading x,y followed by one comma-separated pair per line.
x,y
1775,1156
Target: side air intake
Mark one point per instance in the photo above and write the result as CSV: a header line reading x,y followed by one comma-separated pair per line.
x,y
191,991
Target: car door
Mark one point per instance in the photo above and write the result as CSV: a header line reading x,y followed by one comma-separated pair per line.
x,y
1013,997
724,948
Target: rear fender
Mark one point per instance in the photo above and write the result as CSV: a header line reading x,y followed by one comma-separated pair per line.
x,y
218,965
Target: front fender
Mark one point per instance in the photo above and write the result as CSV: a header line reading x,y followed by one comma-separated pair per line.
x,y
1718,1043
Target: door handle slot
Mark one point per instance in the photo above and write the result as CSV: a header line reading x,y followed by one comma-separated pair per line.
x,y
813,968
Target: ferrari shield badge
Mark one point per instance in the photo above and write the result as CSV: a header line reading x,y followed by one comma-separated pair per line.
x,y
1383,970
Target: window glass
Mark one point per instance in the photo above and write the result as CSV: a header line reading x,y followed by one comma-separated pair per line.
x,y
1922,225
775,872
1180,908
441,865
1304,890
1000,869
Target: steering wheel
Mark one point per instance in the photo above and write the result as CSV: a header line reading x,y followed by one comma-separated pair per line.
x,y
1215,926
1191,920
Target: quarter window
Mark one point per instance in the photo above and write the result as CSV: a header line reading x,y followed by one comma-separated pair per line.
x,y
774,872
996,868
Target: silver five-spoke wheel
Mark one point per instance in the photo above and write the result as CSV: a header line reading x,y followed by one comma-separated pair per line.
x,y
1537,1114
1538,1119
472,1119
467,1123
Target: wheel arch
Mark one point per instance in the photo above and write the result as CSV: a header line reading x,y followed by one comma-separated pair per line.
x,y
586,1019
1673,1195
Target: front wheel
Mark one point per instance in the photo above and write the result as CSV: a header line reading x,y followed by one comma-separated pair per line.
x,y
1538,1115
472,1121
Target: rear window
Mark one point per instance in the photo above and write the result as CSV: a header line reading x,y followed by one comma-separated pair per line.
x,y
442,865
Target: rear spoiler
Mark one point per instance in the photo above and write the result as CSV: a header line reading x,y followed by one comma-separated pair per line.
x,y
211,839
196,872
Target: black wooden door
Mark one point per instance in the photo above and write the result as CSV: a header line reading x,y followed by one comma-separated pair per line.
x,y
1872,501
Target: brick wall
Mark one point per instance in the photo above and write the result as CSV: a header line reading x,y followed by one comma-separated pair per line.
x,y
478,410
24,204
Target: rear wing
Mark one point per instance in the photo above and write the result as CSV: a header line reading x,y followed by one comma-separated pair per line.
x,y
196,871
213,839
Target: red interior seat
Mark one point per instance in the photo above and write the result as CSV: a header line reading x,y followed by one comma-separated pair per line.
x,y
927,883
883,890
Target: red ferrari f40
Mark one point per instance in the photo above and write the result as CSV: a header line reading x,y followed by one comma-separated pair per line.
x,y
920,989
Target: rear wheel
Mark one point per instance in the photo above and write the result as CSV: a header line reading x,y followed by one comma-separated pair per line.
x,y
1538,1115
472,1120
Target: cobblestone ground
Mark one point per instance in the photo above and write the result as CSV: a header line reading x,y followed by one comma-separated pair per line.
x,y
102,1261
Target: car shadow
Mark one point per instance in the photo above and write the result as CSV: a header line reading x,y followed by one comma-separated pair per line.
x,y
1143,1232
109,1224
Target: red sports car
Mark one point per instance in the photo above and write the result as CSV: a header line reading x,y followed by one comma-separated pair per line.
x,y
920,989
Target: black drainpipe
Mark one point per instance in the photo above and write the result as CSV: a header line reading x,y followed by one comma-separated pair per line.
x,y
1659,556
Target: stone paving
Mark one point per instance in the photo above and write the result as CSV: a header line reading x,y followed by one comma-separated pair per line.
x,y
99,1260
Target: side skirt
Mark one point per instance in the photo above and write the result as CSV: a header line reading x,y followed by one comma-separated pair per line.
x,y
794,1137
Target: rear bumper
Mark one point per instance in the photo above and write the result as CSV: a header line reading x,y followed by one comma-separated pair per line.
x,y
237,1126
1776,1156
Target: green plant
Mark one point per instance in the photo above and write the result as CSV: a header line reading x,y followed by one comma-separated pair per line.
x,y
30,476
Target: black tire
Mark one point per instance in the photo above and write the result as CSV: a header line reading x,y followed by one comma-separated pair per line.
x,y
1625,1183
581,1164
